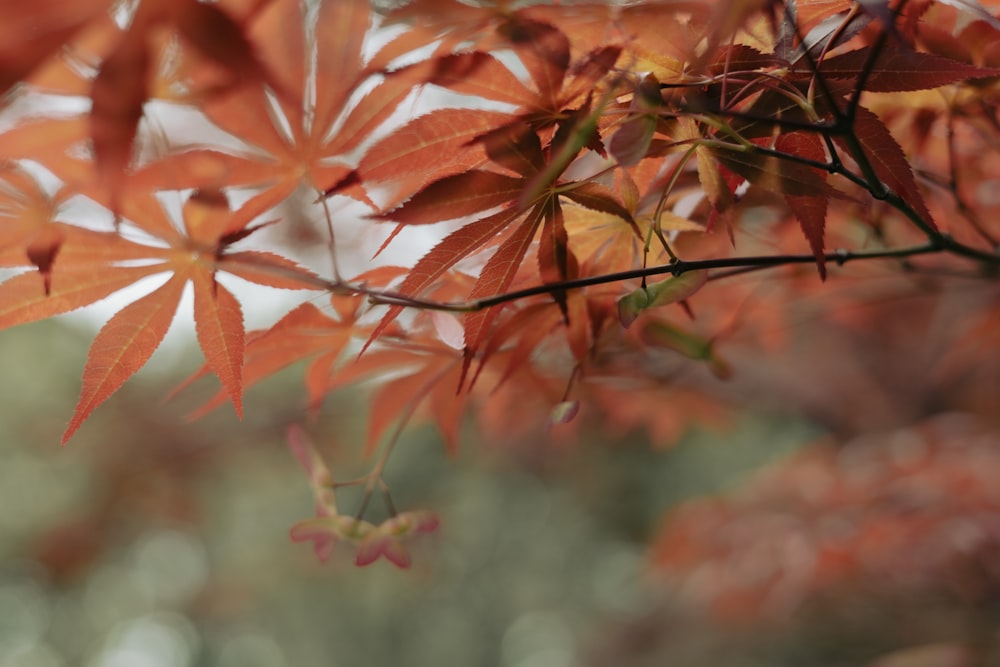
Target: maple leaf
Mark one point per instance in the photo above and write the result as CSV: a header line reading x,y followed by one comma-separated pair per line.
x,y
295,145
517,147
804,188
87,270
631,142
457,196
303,333
28,227
896,68
521,332
34,236
448,21
122,85
456,26
497,275
428,148
431,372
450,251
810,210
887,159
605,241
519,151
718,190
124,344
544,50
601,241
658,38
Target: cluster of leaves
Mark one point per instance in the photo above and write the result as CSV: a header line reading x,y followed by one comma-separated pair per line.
x,y
911,511
586,150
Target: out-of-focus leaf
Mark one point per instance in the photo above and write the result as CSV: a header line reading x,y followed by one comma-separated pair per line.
x,y
661,334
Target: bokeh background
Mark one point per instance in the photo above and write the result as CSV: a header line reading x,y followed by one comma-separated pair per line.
x,y
153,542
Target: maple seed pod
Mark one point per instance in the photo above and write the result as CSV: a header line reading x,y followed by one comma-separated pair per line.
x,y
671,290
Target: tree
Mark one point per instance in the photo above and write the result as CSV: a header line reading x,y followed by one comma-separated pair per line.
x,y
626,200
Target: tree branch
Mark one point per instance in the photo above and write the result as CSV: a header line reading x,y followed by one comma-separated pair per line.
x,y
838,257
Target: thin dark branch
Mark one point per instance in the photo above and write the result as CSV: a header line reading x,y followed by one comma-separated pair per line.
x,y
963,208
838,257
